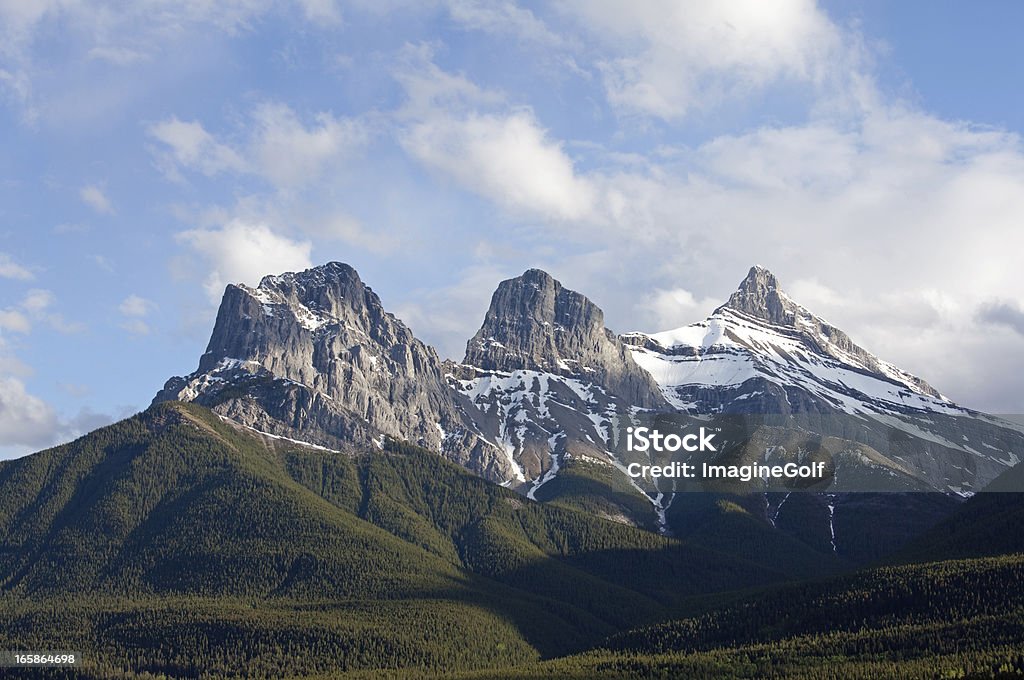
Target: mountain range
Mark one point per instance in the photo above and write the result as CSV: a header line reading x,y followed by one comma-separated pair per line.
x,y
545,390
326,497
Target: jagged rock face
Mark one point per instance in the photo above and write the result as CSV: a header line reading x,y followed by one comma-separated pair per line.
x,y
759,296
551,383
314,355
535,324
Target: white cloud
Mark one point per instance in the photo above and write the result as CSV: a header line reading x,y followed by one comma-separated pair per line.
x,y
240,252
430,88
125,34
134,305
13,320
37,300
25,419
891,223
278,146
28,422
9,269
676,307
288,153
505,156
1008,314
508,159
35,307
324,12
95,198
135,308
896,229
503,18
190,145
673,57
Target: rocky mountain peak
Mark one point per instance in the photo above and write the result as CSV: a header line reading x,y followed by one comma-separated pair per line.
x,y
531,322
313,355
535,323
324,286
760,298
287,313
760,295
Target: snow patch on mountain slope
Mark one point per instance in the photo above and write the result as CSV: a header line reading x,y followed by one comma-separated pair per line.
x,y
552,471
729,349
521,402
310,319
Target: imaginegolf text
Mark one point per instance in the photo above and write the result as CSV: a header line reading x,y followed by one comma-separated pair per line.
x,y
743,473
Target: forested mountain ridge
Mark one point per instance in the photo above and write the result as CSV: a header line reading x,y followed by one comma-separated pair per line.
x,y
178,525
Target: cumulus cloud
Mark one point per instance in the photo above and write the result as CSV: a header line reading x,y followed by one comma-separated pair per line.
x,y
503,154
240,252
278,146
37,300
322,11
25,419
288,153
134,305
503,18
134,308
94,197
188,144
35,306
509,159
9,269
29,423
894,224
1007,314
673,57
14,320
677,307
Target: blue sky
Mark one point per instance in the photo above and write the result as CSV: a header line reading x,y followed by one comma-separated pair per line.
x,y
645,153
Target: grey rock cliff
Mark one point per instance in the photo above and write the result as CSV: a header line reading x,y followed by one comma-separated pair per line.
x,y
313,355
534,323
553,385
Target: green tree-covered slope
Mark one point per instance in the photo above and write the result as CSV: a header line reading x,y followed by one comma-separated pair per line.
x,y
174,542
